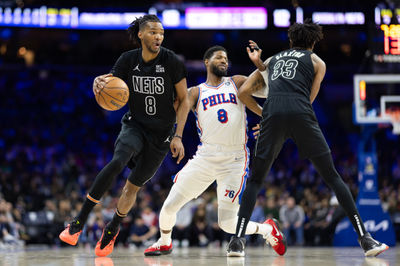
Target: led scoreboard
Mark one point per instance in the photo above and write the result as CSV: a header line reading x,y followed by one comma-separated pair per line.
x,y
386,36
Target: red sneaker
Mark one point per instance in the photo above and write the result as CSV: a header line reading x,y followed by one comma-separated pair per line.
x,y
71,234
276,239
156,249
105,245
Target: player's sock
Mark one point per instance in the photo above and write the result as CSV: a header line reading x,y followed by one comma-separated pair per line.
x,y
116,220
246,207
165,238
263,229
87,207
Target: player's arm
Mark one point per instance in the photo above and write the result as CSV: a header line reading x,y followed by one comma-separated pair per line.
x,y
181,116
319,73
253,83
193,95
239,80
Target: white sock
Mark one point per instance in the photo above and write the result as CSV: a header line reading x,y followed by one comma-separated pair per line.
x,y
165,239
264,229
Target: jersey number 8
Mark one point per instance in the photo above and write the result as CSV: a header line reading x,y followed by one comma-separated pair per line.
x,y
150,103
222,116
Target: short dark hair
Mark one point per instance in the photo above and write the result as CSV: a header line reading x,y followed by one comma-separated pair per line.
x,y
138,25
304,35
210,51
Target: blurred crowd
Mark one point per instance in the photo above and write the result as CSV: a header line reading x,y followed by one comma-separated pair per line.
x,y
54,139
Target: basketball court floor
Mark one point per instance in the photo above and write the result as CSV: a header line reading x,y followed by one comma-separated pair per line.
x,y
200,256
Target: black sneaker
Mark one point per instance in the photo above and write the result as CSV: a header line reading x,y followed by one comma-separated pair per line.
x,y
370,246
71,234
75,226
105,245
236,247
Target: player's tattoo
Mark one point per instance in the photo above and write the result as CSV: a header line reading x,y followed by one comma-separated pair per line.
x,y
257,84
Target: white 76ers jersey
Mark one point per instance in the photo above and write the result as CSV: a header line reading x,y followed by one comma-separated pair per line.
x,y
221,116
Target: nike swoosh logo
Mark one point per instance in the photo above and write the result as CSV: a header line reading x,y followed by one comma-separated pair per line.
x,y
276,229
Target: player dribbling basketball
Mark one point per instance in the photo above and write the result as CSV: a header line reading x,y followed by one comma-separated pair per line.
x,y
155,77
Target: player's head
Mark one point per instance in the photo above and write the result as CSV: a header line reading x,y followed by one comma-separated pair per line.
x,y
305,35
148,32
216,60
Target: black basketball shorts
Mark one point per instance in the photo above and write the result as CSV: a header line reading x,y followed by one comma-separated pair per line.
x,y
148,150
303,129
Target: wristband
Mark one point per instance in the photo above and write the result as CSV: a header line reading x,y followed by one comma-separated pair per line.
x,y
177,136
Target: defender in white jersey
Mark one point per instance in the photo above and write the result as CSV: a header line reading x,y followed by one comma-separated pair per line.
x,y
222,155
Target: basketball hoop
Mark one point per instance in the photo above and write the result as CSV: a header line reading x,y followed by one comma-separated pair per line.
x,y
395,119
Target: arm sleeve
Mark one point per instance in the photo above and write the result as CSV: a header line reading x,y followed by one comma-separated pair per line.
x,y
121,67
178,70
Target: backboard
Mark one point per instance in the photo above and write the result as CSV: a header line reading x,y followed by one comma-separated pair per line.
x,y
375,97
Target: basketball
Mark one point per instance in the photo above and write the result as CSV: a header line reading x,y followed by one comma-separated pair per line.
x,y
114,95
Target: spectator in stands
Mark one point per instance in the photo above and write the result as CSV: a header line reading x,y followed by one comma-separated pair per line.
x,y
141,233
200,232
270,209
292,218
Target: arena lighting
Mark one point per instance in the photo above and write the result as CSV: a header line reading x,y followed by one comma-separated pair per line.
x,y
363,94
299,15
226,18
339,18
192,18
281,18
171,18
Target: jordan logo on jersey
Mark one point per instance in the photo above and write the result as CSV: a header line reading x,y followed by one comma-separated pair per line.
x,y
216,99
136,68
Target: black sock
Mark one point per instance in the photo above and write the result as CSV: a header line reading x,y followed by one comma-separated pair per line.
x,y
116,220
246,208
87,207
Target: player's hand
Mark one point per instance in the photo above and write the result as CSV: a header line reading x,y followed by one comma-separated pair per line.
x,y
256,133
254,52
99,83
177,149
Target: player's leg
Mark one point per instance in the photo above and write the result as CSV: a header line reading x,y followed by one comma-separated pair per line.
x,y
122,154
147,164
229,192
269,143
312,144
324,165
189,183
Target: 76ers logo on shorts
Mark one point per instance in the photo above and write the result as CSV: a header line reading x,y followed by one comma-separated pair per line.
x,y
229,193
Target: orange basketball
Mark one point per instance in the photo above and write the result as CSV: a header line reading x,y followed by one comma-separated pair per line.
x,y
114,95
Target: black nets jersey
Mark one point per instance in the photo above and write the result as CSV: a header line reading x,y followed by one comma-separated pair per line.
x,y
290,78
151,86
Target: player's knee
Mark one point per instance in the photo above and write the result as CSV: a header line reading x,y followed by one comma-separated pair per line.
x,y
117,164
169,207
130,190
